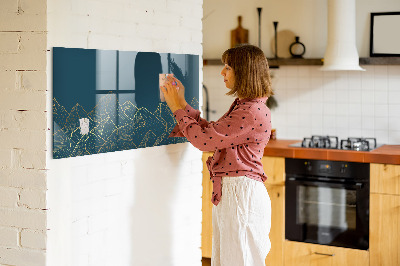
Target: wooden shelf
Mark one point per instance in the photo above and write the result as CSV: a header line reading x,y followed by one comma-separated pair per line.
x,y
380,61
212,62
274,63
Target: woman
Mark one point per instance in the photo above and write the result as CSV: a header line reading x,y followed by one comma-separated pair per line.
x,y
242,207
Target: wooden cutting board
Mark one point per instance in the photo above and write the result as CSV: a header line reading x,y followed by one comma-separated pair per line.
x,y
239,35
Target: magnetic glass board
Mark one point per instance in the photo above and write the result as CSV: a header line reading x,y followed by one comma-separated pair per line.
x,y
109,100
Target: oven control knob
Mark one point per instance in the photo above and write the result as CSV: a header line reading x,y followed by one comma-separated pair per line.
x,y
308,166
343,168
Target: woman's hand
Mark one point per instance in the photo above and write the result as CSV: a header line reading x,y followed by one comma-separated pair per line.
x,y
181,91
172,94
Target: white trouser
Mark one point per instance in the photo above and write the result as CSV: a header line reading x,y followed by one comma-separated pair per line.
x,y
241,223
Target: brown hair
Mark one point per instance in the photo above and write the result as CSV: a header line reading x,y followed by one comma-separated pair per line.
x,y
250,66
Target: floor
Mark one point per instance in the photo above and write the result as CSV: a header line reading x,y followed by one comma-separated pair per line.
x,y
206,261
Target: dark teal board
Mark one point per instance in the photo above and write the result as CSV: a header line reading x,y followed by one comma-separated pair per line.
x,y
117,94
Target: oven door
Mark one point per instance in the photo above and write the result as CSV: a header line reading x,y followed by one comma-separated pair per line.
x,y
327,213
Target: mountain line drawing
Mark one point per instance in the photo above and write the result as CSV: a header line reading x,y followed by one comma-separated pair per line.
x,y
112,127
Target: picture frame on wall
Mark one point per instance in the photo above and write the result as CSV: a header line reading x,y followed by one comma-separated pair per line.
x,y
384,37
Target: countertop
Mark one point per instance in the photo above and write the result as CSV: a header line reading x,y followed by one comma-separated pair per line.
x,y
389,154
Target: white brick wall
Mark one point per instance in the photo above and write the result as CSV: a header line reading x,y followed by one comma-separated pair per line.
x,y
24,256
100,206
23,218
34,239
137,207
23,178
8,197
9,237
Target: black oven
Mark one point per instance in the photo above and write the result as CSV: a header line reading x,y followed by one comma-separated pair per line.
x,y
327,202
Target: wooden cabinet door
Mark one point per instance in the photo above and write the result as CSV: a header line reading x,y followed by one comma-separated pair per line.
x,y
206,232
305,254
274,168
385,178
277,233
384,236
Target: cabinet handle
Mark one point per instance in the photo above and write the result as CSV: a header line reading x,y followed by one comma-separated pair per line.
x,y
325,254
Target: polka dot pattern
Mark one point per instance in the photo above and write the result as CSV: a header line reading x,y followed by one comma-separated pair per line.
x,y
238,139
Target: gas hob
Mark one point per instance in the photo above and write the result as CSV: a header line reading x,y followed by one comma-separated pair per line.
x,y
332,142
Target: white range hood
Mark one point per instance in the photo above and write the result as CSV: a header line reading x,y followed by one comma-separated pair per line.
x,y
341,51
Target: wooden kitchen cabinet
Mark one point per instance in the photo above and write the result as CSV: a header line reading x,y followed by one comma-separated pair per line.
x,y
306,254
206,225
277,233
384,236
385,178
274,168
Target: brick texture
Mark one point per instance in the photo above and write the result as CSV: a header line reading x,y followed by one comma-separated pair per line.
x,y
23,125
33,199
105,196
18,256
9,237
23,218
33,239
8,197
91,198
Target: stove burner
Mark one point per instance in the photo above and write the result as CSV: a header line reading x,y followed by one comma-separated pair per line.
x,y
328,142
358,144
332,142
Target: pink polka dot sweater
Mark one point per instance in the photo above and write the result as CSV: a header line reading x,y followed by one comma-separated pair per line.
x,y
238,139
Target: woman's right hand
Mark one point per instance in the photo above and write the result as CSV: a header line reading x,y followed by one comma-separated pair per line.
x,y
181,91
